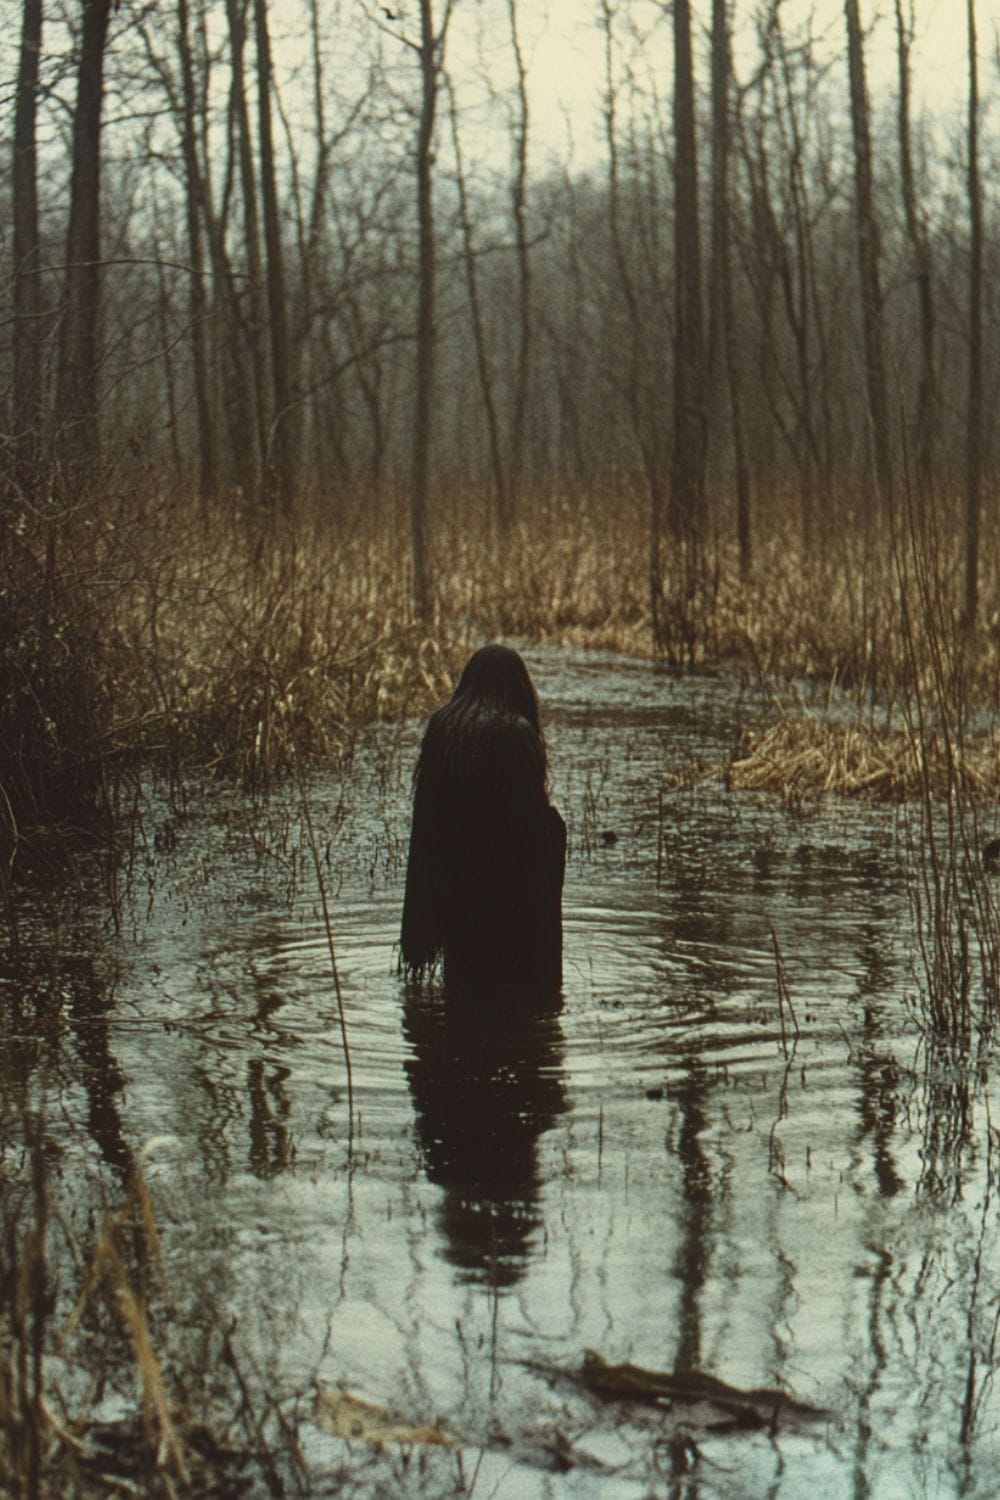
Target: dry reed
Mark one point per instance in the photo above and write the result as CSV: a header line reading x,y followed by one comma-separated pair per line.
x,y
216,643
47,1452
809,757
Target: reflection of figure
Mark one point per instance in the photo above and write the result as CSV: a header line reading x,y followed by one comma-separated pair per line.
x,y
272,1144
693,1262
487,851
486,1084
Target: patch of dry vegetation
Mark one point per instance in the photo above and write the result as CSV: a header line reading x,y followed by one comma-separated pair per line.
x,y
54,706
112,1340
804,758
142,629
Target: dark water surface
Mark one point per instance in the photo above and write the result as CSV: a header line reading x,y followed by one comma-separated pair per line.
x,y
656,1169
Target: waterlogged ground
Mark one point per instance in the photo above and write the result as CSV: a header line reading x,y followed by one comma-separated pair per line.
x,y
711,1157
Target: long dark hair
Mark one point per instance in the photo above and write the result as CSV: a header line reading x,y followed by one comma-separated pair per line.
x,y
494,681
496,675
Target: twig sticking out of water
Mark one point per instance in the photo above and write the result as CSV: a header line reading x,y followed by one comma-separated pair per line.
x,y
784,995
328,928
109,1276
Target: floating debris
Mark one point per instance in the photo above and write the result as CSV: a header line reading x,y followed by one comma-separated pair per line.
x,y
362,1421
701,1403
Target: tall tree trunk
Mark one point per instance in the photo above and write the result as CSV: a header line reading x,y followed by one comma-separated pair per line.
x,y
515,462
426,315
795,283
478,329
645,424
307,341
869,256
231,387
198,301
974,438
167,346
77,396
322,172
26,331
281,447
687,500
251,457
926,415
723,350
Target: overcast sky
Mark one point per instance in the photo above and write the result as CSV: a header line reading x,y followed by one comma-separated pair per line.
x,y
564,52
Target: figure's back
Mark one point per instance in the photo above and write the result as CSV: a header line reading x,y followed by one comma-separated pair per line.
x,y
487,852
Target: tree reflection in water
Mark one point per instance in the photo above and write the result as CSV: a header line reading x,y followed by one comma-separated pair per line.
x,y
485,1075
46,997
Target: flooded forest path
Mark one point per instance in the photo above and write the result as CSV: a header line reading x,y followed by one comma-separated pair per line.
x,y
729,1149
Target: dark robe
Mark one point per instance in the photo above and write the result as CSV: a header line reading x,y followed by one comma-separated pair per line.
x,y
487,853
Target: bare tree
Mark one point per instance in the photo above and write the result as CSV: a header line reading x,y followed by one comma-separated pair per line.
x,y
77,396
687,507
644,420
26,352
926,415
198,301
311,230
478,329
869,254
974,435
795,278
519,211
281,440
296,285
723,351
430,50
253,443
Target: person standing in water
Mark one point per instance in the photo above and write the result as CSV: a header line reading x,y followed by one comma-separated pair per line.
x,y
487,849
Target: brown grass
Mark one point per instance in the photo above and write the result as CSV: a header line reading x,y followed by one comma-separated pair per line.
x,y
111,1338
803,758
142,630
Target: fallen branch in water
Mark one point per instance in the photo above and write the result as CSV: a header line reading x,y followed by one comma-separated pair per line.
x,y
708,1404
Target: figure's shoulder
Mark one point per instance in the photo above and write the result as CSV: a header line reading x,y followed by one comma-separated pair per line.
x,y
482,741
480,723
511,733
512,757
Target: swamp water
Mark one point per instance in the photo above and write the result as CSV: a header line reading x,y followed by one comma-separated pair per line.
x,y
658,1169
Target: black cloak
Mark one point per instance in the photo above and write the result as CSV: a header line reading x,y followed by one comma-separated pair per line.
x,y
487,849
